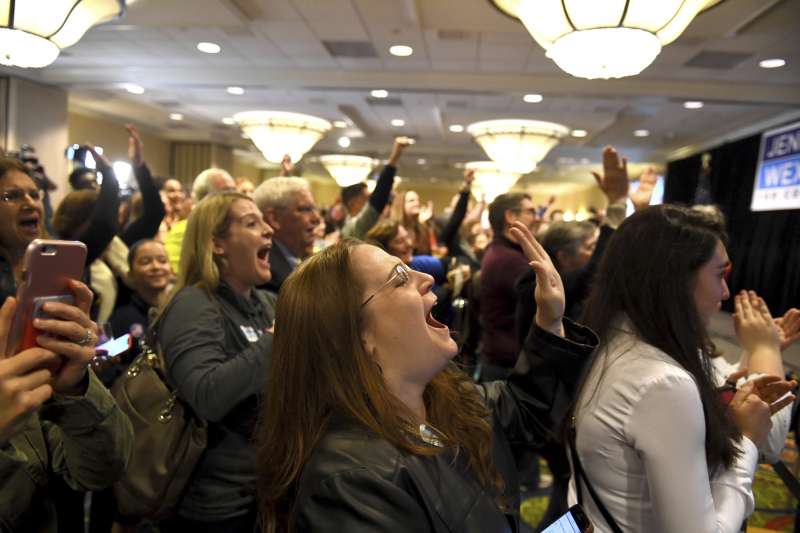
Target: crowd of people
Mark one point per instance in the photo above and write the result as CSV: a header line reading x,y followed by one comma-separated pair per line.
x,y
375,366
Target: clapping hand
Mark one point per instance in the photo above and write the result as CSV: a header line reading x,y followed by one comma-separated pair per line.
x,y
614,181
753,324
549,293
788,328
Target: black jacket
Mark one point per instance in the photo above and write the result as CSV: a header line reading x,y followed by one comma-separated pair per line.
x,y
280,266
356,482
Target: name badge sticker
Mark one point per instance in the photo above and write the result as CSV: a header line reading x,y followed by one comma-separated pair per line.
x,y
249,333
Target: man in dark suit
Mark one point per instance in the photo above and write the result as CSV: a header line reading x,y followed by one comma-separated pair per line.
x,y
288,206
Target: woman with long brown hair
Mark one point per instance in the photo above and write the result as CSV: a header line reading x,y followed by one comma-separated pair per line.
x,y
369,426
658,446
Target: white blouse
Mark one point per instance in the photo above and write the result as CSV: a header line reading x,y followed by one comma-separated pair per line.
x,y
641,440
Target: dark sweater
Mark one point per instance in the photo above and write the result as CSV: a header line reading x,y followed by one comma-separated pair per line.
x,y
503,263
217,352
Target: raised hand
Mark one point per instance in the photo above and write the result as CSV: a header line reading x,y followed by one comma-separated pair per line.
x,y
24,378
426,212
549,293
469,177
788,328
287,167
614,181
642,195
135,145
400,144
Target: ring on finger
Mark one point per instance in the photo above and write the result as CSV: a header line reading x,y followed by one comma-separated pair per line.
x,y
87,339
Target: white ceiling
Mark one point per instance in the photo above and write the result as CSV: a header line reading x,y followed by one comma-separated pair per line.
x,y
470,63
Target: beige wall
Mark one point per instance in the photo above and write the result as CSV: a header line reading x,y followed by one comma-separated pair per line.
x,y
36,114
113,137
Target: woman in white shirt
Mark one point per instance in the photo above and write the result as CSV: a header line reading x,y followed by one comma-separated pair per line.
x,y
660,449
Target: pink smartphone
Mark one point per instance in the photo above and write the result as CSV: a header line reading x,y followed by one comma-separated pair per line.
x,y
47,267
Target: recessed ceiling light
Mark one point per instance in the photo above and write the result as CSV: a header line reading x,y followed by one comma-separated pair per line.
x,y
209,48
175,116
238,91
693,104
456,128
533,98
401,50
229,121
772,63
344,142
398,122
421,161
641,133
579,133
379,93
133,88
340,124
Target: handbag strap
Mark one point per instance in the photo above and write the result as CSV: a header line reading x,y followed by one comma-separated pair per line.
x,y
580,476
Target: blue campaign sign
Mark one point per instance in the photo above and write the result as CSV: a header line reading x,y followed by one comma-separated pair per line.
x,y
777,183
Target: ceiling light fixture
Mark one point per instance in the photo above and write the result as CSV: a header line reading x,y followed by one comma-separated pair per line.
x,y
692,104
238,91
603,39
348,169
641,133
401,50
379,93
209,48
398,122
229,121
340,124
456,128
277,133
772,63
422,161
344,141
133,88
517,145
33,33
175,116
579,133
533,98
490,180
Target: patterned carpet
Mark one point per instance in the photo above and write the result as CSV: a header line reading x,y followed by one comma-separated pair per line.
x,y
775,506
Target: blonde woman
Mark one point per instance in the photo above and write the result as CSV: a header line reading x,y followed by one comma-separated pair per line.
x,y
215,339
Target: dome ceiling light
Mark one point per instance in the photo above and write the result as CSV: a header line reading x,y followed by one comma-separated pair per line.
x,y
517,145
33,32
348,169
490,180
604,38
277,133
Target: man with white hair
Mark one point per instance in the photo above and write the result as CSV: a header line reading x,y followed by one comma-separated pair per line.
x,y
209,181
288,206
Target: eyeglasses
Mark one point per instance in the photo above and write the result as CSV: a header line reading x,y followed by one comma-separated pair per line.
x,y
16,195
400,275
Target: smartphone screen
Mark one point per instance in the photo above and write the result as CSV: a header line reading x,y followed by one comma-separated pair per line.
x,y
115,347
573,521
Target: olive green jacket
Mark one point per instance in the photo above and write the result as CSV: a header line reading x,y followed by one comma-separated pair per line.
x,y
85,440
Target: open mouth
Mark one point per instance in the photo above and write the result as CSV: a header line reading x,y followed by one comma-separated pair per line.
x,y
432,322
263,252
30,223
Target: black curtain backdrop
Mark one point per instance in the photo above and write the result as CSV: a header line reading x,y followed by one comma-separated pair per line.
x,y
764,246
